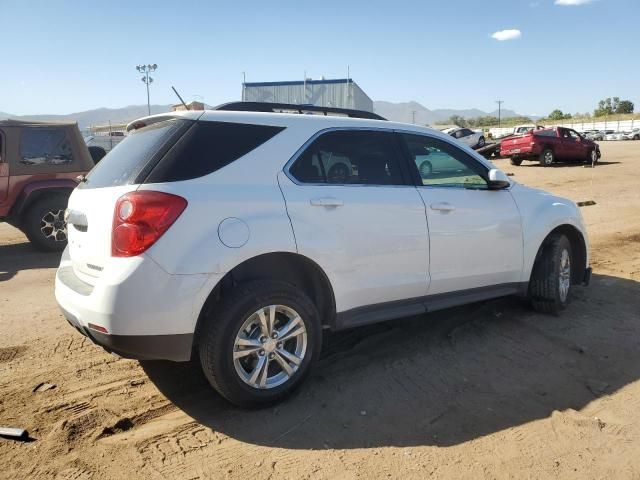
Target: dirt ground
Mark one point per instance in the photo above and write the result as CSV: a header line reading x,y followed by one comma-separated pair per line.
x,y
492,390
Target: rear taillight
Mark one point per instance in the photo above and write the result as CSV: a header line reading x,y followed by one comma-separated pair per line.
x,y
141,218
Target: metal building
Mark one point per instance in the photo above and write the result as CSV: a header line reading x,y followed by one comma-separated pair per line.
x,y
337,93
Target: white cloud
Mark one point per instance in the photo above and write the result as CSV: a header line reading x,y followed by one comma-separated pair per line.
x,y
511,34
572,3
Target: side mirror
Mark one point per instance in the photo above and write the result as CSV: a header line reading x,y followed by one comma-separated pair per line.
x,y
498,179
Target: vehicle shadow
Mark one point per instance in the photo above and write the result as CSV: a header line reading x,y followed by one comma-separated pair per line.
x,y
439,379
23,256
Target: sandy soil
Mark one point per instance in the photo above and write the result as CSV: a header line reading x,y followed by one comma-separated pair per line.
x,y
491,390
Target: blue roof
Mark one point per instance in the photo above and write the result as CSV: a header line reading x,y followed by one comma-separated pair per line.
x,y
299,82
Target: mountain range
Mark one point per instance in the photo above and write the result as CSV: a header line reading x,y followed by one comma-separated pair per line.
x,y
398,112
403,112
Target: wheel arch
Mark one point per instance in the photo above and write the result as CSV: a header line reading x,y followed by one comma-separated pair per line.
x,y
289,267
548,146
578,250
34,192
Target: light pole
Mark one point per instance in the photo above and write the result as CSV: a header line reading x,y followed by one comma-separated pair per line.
x,y
499,102
146,69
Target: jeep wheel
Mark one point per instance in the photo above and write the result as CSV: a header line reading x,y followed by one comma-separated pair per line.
x,y
425,169
515,161
44,224
339,173
260,342
547,158
550,285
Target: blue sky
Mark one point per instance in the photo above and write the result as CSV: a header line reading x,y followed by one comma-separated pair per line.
x,y
66,56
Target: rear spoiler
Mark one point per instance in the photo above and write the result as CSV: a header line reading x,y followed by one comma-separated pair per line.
x,y
162,117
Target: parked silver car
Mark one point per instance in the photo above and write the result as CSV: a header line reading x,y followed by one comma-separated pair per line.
x,y
467,136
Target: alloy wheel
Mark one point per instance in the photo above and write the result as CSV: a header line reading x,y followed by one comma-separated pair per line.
x,y
565,275
270,347
52,225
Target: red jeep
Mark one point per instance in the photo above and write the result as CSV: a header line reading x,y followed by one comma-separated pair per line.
x,y
548,145
39,163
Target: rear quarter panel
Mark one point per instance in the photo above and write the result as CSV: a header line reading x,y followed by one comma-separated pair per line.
x,y
246,190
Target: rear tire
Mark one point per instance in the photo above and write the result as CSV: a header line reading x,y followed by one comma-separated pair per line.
x,y
550,285
547,157
235,327
44,223
516,161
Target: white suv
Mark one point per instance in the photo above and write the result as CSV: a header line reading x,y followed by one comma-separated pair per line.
x,y
220,234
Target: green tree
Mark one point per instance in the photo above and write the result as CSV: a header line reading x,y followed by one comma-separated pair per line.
x,y
625,106
557,115
457,120
612,105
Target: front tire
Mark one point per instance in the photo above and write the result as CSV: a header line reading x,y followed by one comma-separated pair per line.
x,y
44,223
547,157
592,158
550,285
260,342
481,142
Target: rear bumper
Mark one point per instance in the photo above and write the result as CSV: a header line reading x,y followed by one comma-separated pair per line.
x,y
140,310
140,347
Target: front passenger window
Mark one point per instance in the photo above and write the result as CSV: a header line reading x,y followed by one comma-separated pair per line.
x,y
441,164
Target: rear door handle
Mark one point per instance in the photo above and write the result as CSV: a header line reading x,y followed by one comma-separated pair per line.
x,y
442,207
326,202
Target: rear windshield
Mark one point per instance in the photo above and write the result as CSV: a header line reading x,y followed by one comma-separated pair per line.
x,y
124,164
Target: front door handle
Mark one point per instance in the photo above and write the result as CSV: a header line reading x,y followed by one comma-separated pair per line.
x,y
326,202
443,207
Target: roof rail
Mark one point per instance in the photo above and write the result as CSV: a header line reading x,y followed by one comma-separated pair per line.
x,y
278,107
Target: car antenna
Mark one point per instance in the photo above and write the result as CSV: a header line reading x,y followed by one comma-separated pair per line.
x,y
181,100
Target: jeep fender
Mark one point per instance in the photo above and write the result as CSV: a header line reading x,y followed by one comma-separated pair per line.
x,y
35,191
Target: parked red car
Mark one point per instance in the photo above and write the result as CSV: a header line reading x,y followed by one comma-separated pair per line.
x,y
39,164
549,145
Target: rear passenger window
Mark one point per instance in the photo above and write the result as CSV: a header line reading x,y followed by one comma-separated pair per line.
x,y
209,146
545,133
40,146
350,158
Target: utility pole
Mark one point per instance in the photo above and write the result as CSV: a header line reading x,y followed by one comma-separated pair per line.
x,y
413,114
146,69
244,83
499,102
